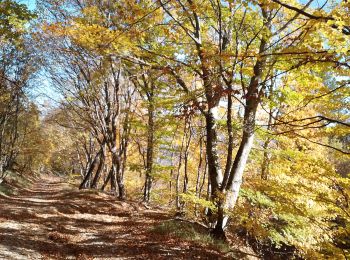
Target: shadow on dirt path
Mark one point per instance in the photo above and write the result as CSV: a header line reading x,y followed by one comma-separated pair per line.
x,y
53,220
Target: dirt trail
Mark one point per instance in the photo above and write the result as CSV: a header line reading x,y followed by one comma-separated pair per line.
x,y
53,220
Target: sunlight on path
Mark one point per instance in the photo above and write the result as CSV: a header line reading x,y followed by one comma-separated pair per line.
x,y
55,221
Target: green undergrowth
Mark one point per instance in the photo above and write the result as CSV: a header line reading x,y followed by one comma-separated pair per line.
x,y
5,190
191,232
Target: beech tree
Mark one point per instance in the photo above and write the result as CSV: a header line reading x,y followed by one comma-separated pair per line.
x,y
247,80
235,59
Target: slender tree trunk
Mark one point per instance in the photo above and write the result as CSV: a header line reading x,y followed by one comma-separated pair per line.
x,y
265,167
171,177
85,182
178,174
88,175
230,191
113,179
199,169
188,136
198,178
203,179
230,138
234,182
150,144
171,183
99,170
121,187
214,170
110,172
117,176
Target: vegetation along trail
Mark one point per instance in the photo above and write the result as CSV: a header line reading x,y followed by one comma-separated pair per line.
x,y
53,220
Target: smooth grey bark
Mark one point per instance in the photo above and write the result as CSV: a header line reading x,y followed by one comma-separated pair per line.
x,y
223,194
212,100
230,137
231,190
214,169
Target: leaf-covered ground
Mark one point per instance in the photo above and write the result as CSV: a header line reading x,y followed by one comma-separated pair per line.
x,y
53,220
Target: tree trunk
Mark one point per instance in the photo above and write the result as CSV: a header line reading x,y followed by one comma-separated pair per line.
x,y
198,178
214,170
199,169
265,167
150,144
235,179
117,176
99,170
178,174
230,137
88,175
185,179
113,179
230,191
107,179
121,187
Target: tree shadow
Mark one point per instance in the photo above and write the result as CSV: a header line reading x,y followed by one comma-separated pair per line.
x,y
54,221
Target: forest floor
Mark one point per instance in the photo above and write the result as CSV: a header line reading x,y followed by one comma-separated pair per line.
x,y
54,220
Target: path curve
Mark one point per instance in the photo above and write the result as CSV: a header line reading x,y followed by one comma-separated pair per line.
x,y
54,220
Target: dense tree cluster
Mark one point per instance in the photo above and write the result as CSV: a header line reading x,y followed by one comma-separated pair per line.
x,y
19,117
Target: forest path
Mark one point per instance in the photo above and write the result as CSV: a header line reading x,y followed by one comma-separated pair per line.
x,y
54,220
